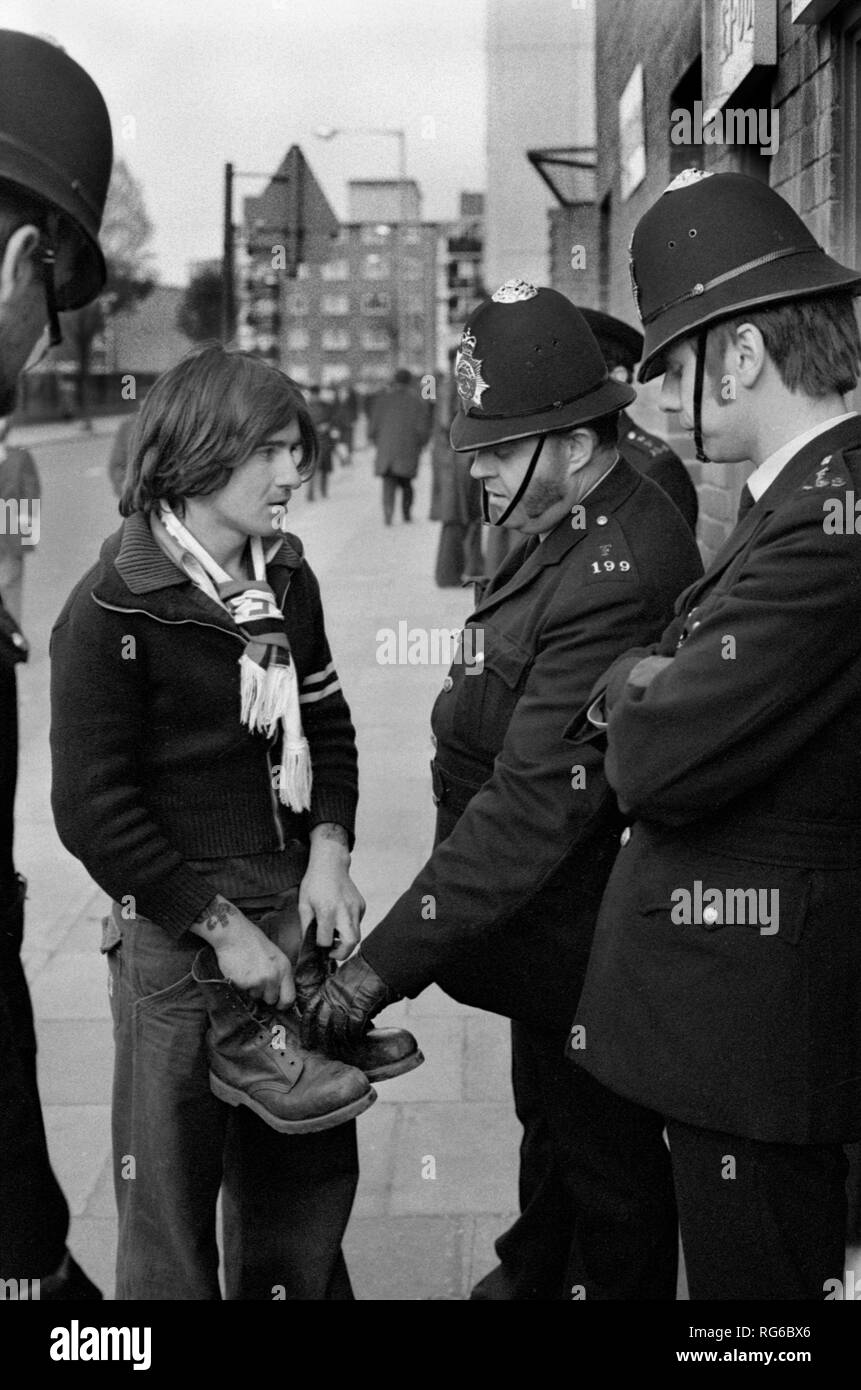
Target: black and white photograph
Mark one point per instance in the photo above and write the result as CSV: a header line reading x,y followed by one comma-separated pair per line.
x,y
430,668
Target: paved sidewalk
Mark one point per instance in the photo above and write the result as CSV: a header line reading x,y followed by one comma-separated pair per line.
x,y
413,1236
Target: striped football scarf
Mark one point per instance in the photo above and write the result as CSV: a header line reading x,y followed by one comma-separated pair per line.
x,y
269,687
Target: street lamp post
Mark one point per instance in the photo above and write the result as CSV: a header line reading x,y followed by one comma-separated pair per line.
x,y
228,277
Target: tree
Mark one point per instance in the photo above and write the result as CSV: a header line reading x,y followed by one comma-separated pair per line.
x,y
125,236
199,314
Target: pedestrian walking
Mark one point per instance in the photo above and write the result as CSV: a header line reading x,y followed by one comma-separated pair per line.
x,y
20,518
205,774
501,915
723,989
55,163
400,427
345,412
322,415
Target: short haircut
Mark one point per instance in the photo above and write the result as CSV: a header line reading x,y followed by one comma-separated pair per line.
x,y
606,430
813,342
615,355
203,418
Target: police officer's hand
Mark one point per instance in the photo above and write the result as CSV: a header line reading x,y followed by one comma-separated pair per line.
x,y
337,1018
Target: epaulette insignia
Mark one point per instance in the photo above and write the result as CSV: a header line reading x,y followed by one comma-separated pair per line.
x,y
824,477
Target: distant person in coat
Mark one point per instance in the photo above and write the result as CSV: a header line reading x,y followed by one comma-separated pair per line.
x,y
400,427
459,556
323,415
622,347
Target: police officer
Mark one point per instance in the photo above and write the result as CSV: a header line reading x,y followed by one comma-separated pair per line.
x,y
724,985
55,163
501,915
622,348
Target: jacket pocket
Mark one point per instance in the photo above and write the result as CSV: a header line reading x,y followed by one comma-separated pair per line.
x,y
497,668
710,893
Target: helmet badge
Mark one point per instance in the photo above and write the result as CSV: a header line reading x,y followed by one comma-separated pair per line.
x,y
514,292
467,372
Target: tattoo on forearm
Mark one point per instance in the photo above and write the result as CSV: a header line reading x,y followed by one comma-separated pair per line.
x,y
216,914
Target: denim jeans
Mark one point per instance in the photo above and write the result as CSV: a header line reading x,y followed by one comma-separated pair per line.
x,y
286,1199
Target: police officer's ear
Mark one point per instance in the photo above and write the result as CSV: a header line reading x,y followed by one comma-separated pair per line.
x,y
18,270
579,447
744,356
620,373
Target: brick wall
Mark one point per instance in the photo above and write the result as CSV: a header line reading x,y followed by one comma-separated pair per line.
x,y
665,36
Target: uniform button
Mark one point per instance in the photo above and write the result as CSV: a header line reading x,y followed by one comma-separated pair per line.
x,y
447,684
625,836
710,915
695,625
601,520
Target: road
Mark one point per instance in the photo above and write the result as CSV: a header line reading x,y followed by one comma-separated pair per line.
x,y
412,1237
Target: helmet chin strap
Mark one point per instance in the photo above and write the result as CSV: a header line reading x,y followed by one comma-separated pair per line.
x,y
527,479
699,373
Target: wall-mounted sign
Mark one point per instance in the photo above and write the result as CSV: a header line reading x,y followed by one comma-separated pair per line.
x,y
632,134
811,11
738,36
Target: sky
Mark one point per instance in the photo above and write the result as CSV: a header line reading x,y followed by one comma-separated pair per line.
x,y
191,84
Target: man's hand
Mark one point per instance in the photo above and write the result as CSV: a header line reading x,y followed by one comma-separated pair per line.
x,y
645,671
328,894
245,954
337,1018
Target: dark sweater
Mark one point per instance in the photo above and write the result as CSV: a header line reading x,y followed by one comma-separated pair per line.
x,y
151,765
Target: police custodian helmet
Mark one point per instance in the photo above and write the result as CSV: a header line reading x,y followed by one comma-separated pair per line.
x,y
55,143
528,364
716,244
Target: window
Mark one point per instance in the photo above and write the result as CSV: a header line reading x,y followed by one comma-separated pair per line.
x,y
335,304
335,270
414,304
411,236
298,302
298,371
335,339
376,302
376,234
334,372
298,338
377,371
376,267
412,268
375,340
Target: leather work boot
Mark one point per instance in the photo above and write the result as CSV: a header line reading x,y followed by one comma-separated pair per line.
x,y
256,1059
383,1052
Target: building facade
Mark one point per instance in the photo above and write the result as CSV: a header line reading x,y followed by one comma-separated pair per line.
x,y
358,315
461,279
784,77
540,92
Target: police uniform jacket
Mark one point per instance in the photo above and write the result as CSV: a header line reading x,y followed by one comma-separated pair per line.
x,y
740,766
502,913
654,457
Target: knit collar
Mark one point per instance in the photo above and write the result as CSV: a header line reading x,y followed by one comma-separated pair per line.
x,y
144,567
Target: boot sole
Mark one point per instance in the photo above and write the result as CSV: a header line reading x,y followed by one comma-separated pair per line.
x,y
399,1068
312,1125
